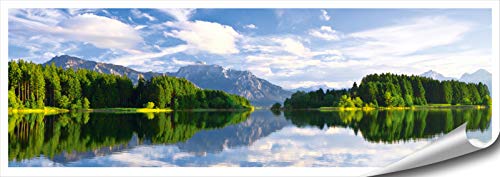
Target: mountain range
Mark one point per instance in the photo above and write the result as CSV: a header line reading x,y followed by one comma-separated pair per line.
x,y
243,83
480,75
259,91
66,62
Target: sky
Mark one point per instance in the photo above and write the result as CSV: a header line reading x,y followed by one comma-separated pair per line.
x,y
289,47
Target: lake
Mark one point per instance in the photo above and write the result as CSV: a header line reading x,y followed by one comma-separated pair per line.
x,y
246,139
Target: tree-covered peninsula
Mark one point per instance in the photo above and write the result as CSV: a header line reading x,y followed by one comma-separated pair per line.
x,y
392,90
34,86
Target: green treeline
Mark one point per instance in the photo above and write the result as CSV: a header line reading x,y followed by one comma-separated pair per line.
x,y
392,90
36,86
31,135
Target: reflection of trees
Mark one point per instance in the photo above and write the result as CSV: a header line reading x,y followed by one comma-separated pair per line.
x,y
395,125
31,135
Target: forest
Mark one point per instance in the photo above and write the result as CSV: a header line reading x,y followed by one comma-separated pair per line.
x,y
392,90
35,86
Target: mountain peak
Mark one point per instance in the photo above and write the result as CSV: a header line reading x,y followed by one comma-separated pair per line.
x,y
481,75
481,71
435,75
67,61
242,83
64,58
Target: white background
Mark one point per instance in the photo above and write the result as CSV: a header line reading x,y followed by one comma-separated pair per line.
x,y
481,163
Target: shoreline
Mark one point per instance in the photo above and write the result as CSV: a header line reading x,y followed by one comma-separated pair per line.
x,y
46,110
51,110
391,108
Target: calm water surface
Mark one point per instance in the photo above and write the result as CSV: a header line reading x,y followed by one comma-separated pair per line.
x,y
259,138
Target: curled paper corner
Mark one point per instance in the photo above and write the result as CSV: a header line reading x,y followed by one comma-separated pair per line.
x,y
451,145
494,137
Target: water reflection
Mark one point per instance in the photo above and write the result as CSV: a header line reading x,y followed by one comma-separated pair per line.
x,y
397,125
264,138
31,135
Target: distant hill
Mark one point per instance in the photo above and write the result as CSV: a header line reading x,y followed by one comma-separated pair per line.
x,y
311,88
435,75
480,75
259,91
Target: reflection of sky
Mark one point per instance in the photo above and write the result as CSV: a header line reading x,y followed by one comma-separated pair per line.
x,y
481,136
290,146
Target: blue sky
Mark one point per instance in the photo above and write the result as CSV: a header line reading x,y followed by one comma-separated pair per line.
x,y
289,47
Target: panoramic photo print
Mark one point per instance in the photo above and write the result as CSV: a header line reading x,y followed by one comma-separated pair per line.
x,y
243,87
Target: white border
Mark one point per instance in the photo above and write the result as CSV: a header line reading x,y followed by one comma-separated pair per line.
x,y
216,171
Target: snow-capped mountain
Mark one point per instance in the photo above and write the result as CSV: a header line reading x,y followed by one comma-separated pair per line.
x,y
311,88
66,62
480,75
435,75
244,83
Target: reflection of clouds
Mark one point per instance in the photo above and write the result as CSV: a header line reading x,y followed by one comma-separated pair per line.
x,y
36,162
330,147
480,138
290,146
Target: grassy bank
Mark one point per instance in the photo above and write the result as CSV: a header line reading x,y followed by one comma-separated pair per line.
x,y
45,110
52,110
208,110
429,106
130,110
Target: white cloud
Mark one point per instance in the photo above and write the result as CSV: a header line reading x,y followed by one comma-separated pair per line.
x,y
407,38
102,32
78,11
250,26
289,146
205,36
179,14
325,33
138,14
293,46
279,13
324,15
139,27
44,16
175,61
408,48
144,59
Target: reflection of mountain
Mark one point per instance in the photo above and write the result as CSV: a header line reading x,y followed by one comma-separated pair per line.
x,y
260,124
